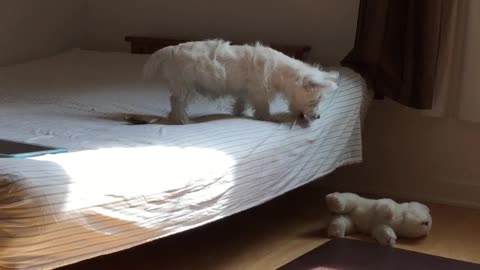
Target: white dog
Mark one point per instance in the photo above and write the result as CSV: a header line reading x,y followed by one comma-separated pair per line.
x,y
249,74
383,219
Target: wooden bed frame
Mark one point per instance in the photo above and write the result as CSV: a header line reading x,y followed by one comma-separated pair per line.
x,y
149,45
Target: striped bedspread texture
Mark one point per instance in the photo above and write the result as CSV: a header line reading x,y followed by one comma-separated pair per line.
x,y
122,185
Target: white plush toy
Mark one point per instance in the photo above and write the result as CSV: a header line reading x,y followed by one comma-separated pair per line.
x,y
383,219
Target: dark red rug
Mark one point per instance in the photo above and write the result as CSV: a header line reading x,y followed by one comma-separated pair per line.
x,y
345,254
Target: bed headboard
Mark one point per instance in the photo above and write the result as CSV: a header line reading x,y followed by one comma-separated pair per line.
x,y
148,45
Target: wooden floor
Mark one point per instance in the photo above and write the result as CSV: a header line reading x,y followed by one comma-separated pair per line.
x,y
276,233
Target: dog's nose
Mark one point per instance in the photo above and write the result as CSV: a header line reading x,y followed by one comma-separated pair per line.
x,y
317,116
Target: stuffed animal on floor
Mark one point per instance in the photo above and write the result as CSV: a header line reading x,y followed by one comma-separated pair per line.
x,y
383,219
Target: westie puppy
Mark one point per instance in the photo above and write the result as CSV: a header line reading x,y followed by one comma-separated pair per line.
x,y
249,74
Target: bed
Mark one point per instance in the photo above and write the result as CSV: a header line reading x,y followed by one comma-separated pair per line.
x,y
122,185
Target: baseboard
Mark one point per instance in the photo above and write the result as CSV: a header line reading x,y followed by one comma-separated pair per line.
x,y
447,193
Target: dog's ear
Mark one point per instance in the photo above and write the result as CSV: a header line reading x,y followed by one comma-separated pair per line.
x,y
332,75
322,80
419,205
311,82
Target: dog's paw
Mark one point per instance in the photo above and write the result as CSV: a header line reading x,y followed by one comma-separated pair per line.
x,y
263,117
388,238
262,113
336,230
176,120
335,203
239,108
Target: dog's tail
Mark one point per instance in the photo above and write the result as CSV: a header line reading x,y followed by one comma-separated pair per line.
x,y
154,63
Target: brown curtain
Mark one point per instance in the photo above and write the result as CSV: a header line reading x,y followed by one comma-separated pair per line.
x,y
396,48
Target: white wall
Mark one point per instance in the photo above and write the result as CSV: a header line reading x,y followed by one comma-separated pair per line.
x,y
327,25
408,155
31,29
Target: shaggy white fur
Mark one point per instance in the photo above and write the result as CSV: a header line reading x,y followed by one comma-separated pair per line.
x,y
250,74
383,219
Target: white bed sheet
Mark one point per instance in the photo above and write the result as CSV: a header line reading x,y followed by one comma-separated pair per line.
x,y
124,185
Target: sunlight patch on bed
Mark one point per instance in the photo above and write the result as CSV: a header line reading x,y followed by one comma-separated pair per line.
x,y
114,180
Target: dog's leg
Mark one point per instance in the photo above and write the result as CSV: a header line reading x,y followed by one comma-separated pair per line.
x,y
385,235
262,108
239,107
293,109
178,113
341,203
340,226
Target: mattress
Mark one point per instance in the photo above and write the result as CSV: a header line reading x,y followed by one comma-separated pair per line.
x,y
122,185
